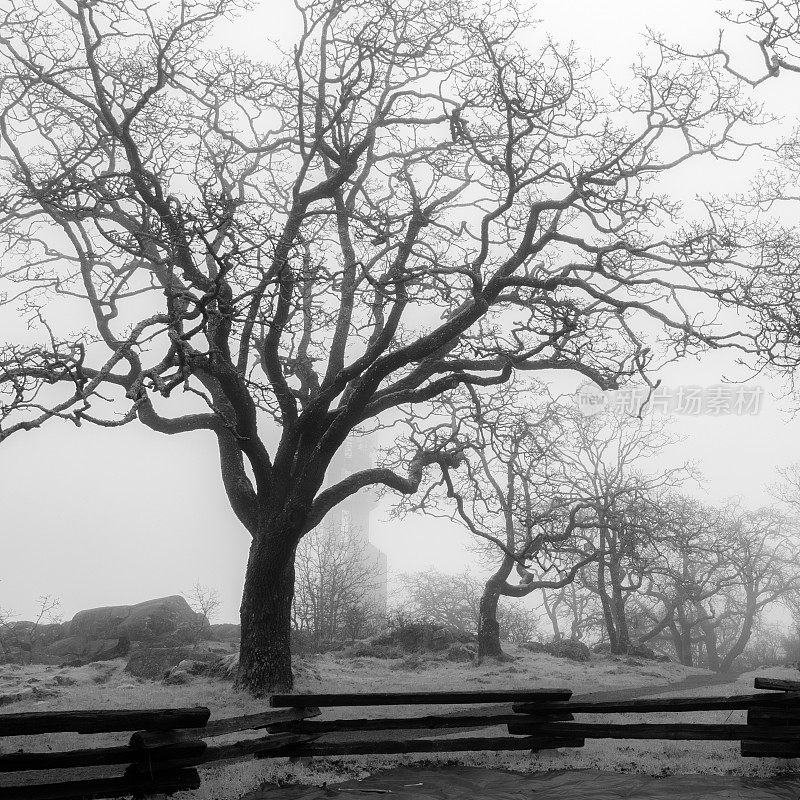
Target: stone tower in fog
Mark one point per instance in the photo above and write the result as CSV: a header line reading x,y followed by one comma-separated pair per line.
x,y
353,515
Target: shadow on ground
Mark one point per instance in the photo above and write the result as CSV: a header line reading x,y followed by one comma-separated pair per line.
x,y
471,782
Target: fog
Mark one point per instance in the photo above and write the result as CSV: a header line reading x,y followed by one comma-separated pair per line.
x,y
100,517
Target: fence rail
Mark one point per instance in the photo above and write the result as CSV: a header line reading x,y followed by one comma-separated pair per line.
x,y
168,745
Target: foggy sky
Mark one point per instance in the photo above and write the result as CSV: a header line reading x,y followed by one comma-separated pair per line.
x,y
101,517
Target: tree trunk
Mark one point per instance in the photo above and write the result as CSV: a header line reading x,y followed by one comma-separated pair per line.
x,y
743,638
710,644
552,613
265,658
617,609
488,626
605,603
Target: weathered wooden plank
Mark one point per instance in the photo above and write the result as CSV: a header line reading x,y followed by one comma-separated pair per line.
x,y
178,780
417,698
223,727
262,747
777,684
685,731
259,748
160,719
664,704
773,716
761,749
150,739
396,723
100,756
392,746
404,723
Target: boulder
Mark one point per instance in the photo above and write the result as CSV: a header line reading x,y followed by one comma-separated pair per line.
x,y
152,663
79,650
176,677
184,671
192,666
569,648
167,621
421,636
25,642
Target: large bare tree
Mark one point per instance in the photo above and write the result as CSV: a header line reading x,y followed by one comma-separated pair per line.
x,y
282,252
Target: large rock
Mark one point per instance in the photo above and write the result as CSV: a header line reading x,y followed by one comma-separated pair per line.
x,y
569,648
421,636
26,642
153,663
79,650
167,621
184,671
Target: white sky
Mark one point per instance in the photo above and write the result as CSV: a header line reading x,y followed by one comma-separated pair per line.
x,y
100,517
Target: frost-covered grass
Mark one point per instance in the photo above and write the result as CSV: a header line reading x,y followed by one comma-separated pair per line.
x,y
108,686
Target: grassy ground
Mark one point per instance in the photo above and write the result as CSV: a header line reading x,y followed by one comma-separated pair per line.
x,y
106,685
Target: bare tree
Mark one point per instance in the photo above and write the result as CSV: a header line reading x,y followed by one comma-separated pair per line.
x,y
334,586
449,600
763,550
22,637
406,202
609,462
718,571
573,606
6,632
515,494
204,601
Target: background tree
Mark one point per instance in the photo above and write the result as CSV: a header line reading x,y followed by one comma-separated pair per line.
x,y
204,601
610,463
572,608
509,495
282,253
718,571
453,601
449,600
333,587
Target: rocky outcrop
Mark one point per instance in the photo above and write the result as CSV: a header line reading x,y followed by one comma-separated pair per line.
x,y
25,642
561,648
77,649
103,634
164,621
153,663
421,637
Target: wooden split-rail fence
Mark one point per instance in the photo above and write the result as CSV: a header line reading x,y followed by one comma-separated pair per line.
x,y
168,746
